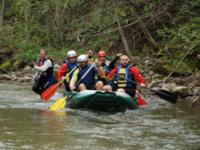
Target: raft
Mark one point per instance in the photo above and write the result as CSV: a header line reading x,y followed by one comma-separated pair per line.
x,y
101,101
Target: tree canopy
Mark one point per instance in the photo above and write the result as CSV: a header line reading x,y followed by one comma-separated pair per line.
x,y
150,27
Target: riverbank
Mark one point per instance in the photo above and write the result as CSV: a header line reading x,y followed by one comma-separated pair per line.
x,y
187,87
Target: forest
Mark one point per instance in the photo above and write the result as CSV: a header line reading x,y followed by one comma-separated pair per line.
x,y
163,35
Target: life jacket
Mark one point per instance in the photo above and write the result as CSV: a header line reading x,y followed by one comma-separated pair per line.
x,y
71,66
45,79
49,71
122,75
40,62
71,69
89,79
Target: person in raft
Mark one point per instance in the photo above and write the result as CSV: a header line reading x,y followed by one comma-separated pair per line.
x,y
78,82
125,76
68,67
102,65
90,56
44,76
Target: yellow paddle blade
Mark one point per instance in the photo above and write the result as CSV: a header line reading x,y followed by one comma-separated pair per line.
x,y
59,104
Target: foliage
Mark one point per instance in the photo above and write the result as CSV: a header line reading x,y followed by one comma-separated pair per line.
x,y
5,67
28,25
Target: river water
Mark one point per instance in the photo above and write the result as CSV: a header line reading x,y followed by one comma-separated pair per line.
x,y
26,123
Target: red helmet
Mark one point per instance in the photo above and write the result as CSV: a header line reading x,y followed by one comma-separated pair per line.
x,y
101,54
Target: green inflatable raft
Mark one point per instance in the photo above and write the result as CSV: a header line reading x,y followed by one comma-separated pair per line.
x,y
101,101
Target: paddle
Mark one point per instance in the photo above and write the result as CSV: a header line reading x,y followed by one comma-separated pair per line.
x,y
61,102
49,92
85,74
163,94
140,100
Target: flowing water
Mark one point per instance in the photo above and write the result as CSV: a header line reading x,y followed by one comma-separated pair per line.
x,y
26,123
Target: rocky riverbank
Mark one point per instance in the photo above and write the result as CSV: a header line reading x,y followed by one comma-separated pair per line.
x,y
187,87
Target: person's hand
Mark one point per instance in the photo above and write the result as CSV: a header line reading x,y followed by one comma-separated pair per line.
x,y
72,87
96,62
137,92
32,65
35,66
142,85
101,72
100,63
119,54
62,78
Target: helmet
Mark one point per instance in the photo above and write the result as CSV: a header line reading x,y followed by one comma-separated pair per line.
x,y
71,53
101,54
82,58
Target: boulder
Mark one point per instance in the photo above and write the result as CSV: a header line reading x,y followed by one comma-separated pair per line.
x,y
156,76
196,91
169,86
24,79
154,83
5,77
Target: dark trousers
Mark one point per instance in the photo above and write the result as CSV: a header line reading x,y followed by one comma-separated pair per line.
x,y
129,91
42,83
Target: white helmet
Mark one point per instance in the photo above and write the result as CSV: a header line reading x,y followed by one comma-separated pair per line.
x,y
82,58
71,53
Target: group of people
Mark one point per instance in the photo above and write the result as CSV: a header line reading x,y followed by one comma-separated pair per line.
x,y
84,72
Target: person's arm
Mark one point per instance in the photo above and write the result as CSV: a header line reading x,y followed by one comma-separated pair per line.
x,y
113,62
62,71
138,76
43,68
112,73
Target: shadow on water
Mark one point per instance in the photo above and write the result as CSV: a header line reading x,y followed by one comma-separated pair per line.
x,y
25,123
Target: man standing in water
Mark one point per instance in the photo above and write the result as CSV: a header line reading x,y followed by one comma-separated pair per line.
x,y
44,76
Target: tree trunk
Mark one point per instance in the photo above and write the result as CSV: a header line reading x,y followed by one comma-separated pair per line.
x,y
62,27
59,18
123,37
47,23
148,35
26,16
1,14
57,13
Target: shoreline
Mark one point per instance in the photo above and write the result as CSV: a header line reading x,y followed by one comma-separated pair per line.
x,y
187,88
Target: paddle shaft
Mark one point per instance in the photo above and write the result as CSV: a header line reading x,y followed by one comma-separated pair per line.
x,y
146,87
68,74
72,71
159,93
85,74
